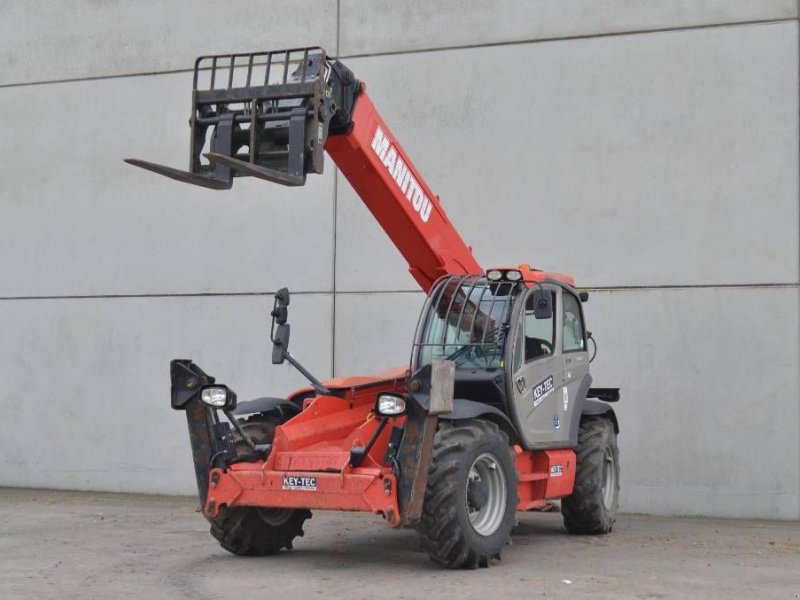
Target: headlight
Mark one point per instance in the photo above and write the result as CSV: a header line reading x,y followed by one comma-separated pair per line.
x,y
219,397
513,275
390,405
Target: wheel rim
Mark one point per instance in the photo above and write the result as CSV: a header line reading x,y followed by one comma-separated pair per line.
x,y
275,516
609,479
486,495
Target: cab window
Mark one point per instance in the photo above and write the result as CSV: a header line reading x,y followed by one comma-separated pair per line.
x,y
573,338
539,333
466,324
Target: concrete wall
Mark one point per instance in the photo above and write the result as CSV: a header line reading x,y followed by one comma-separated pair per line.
x,y
650,148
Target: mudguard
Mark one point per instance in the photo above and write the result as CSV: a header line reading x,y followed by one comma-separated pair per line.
x,y
283,407
469,409
586,404
598,408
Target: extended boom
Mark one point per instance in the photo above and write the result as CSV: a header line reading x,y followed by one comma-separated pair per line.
x,y
278,129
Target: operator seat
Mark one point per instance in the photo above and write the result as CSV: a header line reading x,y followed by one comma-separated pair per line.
x,y
534,348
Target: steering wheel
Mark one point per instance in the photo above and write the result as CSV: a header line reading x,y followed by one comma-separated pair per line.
x,y
480,353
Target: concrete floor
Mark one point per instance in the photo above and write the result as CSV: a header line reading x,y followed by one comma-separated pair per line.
x,y
84,545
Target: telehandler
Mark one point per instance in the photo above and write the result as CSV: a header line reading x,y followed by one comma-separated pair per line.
x,y
495,413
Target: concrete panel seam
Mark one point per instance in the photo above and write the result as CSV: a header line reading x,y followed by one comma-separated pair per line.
x,y
701,286
333,267
437,49
97,78
165,295
339,25
630,288
620,288
574,37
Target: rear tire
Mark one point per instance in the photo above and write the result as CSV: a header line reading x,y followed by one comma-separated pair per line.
x,y
257,531
592,507
471,495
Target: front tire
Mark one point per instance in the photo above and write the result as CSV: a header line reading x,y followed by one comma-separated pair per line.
x,y
257,531
592,507
471,495
251,531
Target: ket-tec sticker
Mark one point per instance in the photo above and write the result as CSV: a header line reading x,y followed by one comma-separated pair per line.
x,y
556,421
556,471
566,398
303,484
542,391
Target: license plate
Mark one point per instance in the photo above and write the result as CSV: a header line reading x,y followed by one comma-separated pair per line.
x,y
303,484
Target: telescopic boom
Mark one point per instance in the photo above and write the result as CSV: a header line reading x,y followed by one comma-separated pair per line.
x,y
252,117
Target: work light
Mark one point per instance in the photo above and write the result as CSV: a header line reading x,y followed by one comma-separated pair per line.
x,y
494,275
390,405
218,396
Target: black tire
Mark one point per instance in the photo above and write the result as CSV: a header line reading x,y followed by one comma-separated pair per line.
x,y
460,453
260,429
251,531
592,507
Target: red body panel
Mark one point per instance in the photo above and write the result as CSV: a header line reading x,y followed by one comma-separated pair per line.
x,y
359,490
543,475
316,444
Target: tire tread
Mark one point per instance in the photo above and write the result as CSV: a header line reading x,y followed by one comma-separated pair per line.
x,y
241,530
440,528
584,512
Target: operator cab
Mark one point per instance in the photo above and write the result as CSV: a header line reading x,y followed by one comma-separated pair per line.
x,y
519,344
466,320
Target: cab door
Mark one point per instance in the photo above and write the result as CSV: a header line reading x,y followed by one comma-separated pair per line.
x,y
574,350
538,375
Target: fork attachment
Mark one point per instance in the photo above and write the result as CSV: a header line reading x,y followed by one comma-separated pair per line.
x,y
252,117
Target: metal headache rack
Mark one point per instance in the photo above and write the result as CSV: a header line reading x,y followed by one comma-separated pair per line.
x,y
464,310
263,114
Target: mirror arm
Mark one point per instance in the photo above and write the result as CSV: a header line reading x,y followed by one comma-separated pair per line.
x,y
315,383
280,351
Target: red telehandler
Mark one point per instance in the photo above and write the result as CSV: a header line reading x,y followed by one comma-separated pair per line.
x,y
494,414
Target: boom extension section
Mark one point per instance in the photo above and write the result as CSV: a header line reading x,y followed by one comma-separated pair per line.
x,y
272,114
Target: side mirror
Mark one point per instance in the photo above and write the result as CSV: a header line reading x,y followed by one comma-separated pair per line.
x,y
280,314
542,304
282,297
280,344
584,296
